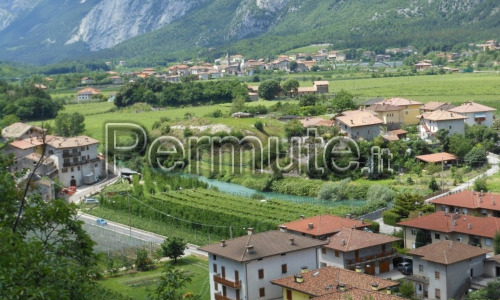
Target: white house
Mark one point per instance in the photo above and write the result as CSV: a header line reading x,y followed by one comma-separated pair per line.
x,y
242,268
359,124
87,93
431,122
476,113
20,131
75,159
441,270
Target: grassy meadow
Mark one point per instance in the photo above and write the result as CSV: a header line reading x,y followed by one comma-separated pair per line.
x,y
139,285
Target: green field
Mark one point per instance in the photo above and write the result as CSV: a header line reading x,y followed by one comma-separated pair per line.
x,y
307,49
139,285
455,88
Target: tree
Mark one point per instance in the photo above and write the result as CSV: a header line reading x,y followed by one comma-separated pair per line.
x,y
70,124
433,184
406,202
378,192
238,104
335,191
142,261
44,251
476,157
496,243
406,289
170,283
480,184
343,101
308,100
420,239
259,126
173,248
492,291
269,89
459,145
293,65
294,128
291,86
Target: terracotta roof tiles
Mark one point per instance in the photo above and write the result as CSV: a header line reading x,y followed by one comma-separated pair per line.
x,y
448,252
322,225
348,239
471,200
471,107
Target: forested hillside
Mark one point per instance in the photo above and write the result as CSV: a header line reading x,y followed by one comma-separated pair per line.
x,y
154,32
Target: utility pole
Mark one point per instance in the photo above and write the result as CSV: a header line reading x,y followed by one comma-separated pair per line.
x,y
129,217
442,168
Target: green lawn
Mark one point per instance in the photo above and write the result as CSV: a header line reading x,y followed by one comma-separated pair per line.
x,y
493,183
140,284
455,88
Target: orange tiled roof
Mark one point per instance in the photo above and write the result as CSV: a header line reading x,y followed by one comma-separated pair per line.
x,y
442,222
357,118
436,157
324,281
448,252
400,101
323,225
89,90
348,239
471,107
471,200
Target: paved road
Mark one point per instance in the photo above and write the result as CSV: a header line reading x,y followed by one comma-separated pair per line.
x,y
138,233
493,160
81,193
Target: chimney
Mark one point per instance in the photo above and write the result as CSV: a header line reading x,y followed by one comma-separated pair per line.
x,y
250,249
310,225
342,242
419,214
354,227
328,239
348,216
283,228
250,231
223,243
362,220
480,199
342,287
292,241
469,226
473,192
302,217
482,192
358,269
493,202
298,278
374,287
454,222
303,269
388,290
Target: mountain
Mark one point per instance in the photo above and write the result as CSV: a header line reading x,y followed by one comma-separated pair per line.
x,y
158,31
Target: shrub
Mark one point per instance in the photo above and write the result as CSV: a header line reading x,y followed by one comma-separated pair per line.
x,y
390,217
142,262
378,192
335,191
374,226
480,184
259,126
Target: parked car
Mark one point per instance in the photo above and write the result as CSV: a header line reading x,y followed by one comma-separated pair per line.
x,y
407,270
102,222
91,201
403,265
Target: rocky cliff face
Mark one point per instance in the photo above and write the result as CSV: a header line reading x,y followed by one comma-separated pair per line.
x,y
113,21
10,10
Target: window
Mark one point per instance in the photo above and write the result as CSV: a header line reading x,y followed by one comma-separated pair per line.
x,y
262,292
413,232
214,257
406,112
437,236
65,170
78,168
436,275
438,293
238,294
337,253
323,250
82,148
283,269
487,242
215,268
261,273
216,286
96,165
450,126
236,276
51,152
72,169
283,254
420,268
483,212
87,147
443,207
75,159
459,238
288,295
223,271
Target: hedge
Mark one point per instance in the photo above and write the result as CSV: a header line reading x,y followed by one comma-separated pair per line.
x,y
390,217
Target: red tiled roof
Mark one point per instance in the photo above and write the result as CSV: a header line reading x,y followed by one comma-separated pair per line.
x,y
89,90
471,200
358,118
471,107
436,157
22,144
348,239
400,101
324,281
323,225
448,252
439,221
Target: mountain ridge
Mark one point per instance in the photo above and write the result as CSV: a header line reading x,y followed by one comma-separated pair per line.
x,y
158,31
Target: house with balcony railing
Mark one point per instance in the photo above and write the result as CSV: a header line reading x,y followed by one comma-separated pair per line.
x,y
242,268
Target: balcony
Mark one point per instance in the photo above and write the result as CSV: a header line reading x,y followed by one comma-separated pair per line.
x,y
229,283
77,163
71,154
219,296
371,258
